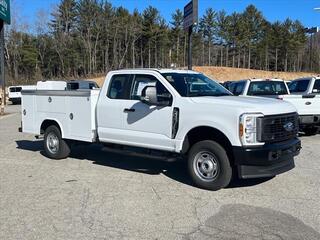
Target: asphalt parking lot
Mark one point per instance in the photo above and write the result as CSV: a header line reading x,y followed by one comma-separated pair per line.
x,y
98,195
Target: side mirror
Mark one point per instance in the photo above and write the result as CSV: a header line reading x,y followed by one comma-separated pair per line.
x,y
149,95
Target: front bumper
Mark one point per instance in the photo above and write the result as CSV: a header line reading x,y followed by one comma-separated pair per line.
x,y
268,160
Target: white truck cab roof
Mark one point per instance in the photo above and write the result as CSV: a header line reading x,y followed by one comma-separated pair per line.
x,y
159,70
265,79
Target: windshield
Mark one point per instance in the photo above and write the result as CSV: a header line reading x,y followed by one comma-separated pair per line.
x,y
267,88
195,85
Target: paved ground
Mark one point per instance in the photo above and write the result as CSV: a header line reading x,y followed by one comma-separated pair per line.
x,y
98,195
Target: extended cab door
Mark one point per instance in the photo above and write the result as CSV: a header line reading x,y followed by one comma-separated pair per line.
x,y
110,106
124,119
145,125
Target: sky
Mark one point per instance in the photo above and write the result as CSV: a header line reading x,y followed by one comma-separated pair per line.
x,y
273,10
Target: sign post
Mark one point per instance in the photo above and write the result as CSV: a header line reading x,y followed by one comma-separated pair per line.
x,y
4,18
190,18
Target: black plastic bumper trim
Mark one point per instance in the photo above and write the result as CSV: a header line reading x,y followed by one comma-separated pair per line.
x,y
267,160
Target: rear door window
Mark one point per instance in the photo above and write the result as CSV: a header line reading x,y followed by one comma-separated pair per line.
x,y
120,86
316,87
299,86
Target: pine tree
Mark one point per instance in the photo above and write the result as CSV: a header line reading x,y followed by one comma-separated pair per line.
x,y
177,33
208,26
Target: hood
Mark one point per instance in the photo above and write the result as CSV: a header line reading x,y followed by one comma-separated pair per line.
x,y
266,106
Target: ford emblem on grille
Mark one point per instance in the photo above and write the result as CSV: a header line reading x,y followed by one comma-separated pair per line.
x,y
288,126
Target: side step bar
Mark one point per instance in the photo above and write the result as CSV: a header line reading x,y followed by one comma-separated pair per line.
x,y
166,157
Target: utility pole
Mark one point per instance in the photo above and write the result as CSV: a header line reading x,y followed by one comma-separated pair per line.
x,y
190,48
311,31
2,75
5,17
317,9
311,43
190,18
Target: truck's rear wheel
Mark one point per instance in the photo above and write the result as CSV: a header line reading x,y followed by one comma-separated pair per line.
x,y
54,146
209,166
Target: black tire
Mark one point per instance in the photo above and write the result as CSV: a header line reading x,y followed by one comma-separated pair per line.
x,y
54,146
310,131
222,174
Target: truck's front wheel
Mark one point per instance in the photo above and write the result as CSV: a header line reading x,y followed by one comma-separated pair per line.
x,y
54,146
209,165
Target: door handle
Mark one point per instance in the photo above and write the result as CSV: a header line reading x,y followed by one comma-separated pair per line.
x,y
129,110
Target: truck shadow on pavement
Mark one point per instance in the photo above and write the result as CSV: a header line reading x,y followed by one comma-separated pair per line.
x,y
35,146
175,170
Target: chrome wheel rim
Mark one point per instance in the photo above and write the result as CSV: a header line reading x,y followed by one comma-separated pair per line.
x,y
52,143
206,166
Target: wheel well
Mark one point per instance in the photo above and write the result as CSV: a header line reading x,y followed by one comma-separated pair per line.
x,y
47,123
207,133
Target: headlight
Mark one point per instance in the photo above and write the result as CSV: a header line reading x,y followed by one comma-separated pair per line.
x,y
248,129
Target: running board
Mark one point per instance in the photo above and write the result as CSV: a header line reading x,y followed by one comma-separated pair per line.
x,y
167,158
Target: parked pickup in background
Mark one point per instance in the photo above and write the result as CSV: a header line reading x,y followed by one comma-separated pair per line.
x,y
305,96
271,88
14,92
169,114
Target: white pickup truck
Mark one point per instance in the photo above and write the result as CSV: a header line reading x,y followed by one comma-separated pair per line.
x,y
305,96
271,88
14,92
169,113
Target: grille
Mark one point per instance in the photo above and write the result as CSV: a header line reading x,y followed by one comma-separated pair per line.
x,y
277,128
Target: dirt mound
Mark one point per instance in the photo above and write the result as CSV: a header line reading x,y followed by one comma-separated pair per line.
x,y
228,74
99,80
